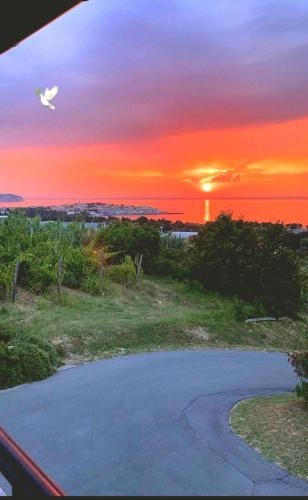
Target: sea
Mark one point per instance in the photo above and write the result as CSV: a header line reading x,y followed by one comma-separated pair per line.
x,y
200,210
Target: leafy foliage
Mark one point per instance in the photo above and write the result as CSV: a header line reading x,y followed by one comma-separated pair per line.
x,y
299,361
124,273
38,249
250,260
25,359
174,258
132,239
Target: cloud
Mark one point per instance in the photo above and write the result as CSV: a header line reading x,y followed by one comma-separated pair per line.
x,y
215,174
229,177
205,170
136,174
150,68
247,173
277,167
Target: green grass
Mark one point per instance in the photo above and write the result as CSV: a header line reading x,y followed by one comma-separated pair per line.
x,y
277,426
158,315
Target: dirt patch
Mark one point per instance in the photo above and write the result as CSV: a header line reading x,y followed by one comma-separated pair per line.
x,y
71,350
25,297
198,333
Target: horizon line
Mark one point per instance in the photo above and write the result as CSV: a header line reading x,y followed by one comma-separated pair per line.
x,y
304,197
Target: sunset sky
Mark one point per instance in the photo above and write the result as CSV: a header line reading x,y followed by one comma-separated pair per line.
x,y
160,98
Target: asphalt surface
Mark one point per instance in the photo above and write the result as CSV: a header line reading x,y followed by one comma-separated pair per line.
x,y
151,424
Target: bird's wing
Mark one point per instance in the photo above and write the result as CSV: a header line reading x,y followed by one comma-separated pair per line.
x,y
50,94
44,100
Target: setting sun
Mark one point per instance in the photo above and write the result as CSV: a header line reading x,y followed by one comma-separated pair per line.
x,y
207,187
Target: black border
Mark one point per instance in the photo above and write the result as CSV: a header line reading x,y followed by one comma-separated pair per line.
x,y
21,18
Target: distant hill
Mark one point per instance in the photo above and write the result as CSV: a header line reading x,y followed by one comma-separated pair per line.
x,y
10,198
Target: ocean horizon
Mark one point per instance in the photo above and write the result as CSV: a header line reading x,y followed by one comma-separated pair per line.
x,y
285,209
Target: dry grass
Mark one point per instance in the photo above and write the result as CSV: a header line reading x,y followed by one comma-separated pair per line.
x,y
277,426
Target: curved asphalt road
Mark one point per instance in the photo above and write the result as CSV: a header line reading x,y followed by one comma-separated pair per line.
x,y
151,424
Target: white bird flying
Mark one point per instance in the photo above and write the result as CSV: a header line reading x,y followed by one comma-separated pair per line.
x,y
47,96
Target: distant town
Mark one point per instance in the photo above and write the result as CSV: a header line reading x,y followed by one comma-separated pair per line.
x,y
95,210
105,209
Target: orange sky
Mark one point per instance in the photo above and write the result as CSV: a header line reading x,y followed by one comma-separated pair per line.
x,y
160,98
167,98
267,160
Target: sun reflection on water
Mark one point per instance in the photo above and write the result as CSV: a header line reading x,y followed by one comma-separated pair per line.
x,y
207,211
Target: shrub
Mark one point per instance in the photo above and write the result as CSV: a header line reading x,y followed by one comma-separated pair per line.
x,y
26,359
38,249
43,345
37,271
77,266
132,239
280,283
124,274
250,260
299,361
173,259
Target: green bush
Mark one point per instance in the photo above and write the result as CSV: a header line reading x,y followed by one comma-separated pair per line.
x,y
133,239
299,361
38,271
26,359
253,261
38,249
124,274
43,345
77,266
173,259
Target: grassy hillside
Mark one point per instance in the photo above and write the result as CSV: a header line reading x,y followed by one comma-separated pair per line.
x,y
158,315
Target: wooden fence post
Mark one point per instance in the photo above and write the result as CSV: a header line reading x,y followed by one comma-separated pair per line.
x,y
15,277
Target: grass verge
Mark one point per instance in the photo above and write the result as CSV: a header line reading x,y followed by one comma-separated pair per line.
x,y
277,426
158,315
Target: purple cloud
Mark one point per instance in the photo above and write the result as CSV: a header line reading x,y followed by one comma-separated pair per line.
x,y
146,68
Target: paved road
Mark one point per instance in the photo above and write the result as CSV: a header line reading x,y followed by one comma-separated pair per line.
x,y
150,424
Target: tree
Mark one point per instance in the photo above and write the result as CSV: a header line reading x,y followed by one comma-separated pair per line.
x,y
174,258
250,260
132,239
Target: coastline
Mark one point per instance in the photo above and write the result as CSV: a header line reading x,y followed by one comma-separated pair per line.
x,y
194,210
92,209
